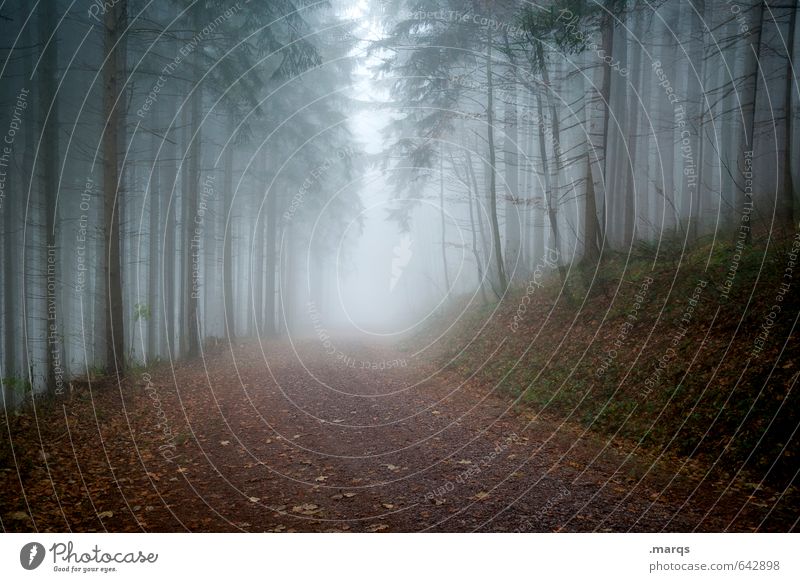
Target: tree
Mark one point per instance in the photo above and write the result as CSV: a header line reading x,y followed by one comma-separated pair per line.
x,y
113,111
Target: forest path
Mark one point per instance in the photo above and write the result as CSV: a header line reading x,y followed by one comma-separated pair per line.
x,y
259,444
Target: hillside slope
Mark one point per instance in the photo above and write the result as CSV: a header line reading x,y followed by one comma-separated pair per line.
x,y
693,355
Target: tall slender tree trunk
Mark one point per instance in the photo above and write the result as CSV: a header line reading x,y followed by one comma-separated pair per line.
x,y
787,196
473,226
550,205
498,251
193,228
227,240
153,255
696,98
607,41
113,111
48,113
10,261
443,221
552,171
729,144
259,260
750,96
168,184
168,270
633,186
487,261
269,288
591,248
513,230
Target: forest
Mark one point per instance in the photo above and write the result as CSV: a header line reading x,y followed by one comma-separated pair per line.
x,y
398,265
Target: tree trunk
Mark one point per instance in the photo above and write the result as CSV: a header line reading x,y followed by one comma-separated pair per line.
x,y
552,171
607,41
549,205
696,98
785,210
633,186
591,247
750,95
227,239
511,168
443,222
113,70
153,256
259,259
498,251
48,113
473,226
269,288
193,229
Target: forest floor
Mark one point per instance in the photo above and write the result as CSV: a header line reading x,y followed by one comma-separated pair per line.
x,y
237,441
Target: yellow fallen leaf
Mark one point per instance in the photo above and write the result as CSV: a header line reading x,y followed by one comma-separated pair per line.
x,y
306,509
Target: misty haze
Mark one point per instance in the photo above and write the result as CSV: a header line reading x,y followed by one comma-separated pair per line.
x,y
399,266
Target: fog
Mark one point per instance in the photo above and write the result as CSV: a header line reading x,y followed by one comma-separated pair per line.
x,y
179,175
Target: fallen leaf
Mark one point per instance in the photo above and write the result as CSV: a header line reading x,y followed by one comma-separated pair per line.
x,y
224,443
377,527
103,514
481,495
254,499
321,478
388,505
464,462
349,495
306,509
19,515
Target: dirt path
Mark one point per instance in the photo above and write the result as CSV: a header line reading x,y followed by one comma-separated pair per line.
x,y
244,441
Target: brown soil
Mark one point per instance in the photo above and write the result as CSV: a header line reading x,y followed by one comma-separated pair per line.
x,y
288,442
